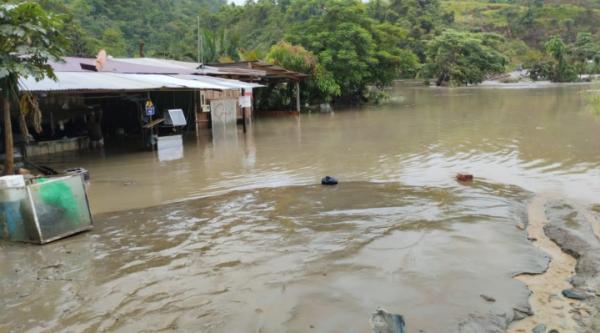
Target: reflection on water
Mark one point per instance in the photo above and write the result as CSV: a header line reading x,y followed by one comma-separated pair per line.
x,y
169,148
265,249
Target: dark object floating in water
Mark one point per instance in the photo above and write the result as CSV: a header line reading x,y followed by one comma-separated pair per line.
x,y
464,177
329,181
385,322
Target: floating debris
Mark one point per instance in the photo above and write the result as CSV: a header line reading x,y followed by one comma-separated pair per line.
x,y
327,180
464,177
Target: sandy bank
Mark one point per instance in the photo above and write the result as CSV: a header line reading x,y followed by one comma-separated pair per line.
x,y
569,235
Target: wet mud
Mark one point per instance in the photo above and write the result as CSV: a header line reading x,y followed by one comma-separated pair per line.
x,y
295,259
575,230
549,307
564,297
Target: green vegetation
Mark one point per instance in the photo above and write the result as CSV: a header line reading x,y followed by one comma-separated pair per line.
x,y
29,37
586,51
563,63
560,70
166,27
350,45
322,86
357,50
592,99
460,58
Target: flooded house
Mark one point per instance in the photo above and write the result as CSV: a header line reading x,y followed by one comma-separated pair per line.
x,y
134,101
275,76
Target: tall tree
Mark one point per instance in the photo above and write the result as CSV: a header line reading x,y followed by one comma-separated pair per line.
x,y
29,38
461,58
338,33
562,71
320,86
584,50
349,44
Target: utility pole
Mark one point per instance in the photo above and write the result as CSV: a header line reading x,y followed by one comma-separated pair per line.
x,y
198,41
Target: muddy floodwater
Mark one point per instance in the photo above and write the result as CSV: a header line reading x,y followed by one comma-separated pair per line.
x,y
238,236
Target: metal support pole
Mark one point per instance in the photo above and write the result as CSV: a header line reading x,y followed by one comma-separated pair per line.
x,y
196,102
151,128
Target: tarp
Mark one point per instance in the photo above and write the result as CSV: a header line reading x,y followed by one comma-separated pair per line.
x,y
99,81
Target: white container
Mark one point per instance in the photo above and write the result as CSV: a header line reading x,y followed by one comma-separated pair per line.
x,y
12,188
12,181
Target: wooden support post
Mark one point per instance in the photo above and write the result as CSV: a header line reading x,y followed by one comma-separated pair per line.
x,y
52,128
298,96
244,119
196,102
9,159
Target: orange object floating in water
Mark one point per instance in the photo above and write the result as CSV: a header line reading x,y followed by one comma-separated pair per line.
x,y
464,177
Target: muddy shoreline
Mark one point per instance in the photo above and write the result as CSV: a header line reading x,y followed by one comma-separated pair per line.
x,y
576,233
290,258
143,262
570,235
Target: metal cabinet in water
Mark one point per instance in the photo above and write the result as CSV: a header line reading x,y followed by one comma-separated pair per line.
x,y
44,211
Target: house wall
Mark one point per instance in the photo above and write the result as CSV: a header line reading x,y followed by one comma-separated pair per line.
x,y
203,119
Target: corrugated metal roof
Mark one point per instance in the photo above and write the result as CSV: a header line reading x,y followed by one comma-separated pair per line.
x,y
271,71
172,82
78,81
98,81
149,66
182,67
231,84
74,64
160,63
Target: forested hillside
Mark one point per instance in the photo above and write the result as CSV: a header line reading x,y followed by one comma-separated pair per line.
x,y
348,45
168,27
165,26
527,24
532,21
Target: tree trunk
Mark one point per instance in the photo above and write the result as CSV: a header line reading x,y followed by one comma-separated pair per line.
x,y
9,162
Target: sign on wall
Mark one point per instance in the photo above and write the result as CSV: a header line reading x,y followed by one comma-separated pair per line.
x,y
245,101
150,109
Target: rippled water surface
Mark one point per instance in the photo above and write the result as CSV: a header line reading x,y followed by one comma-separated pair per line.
x,y
540,139
259,247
